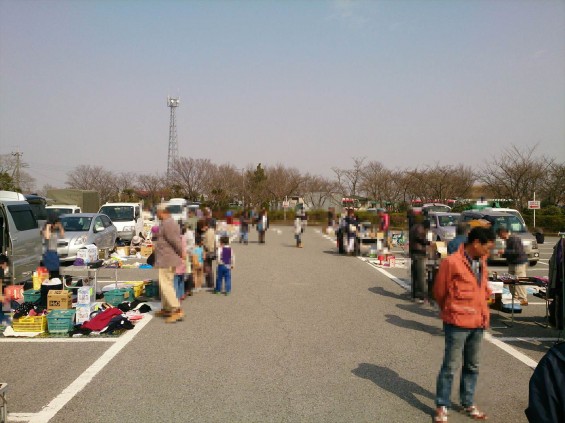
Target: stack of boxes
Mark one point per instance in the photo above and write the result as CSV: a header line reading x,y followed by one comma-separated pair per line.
x,y
86,302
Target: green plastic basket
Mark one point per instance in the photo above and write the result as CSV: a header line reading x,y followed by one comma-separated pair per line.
x,y
118,296
151,290
32,295
60,321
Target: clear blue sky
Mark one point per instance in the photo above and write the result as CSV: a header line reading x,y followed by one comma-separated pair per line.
x,y
306,83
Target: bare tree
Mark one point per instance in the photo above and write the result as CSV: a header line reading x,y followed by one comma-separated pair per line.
x,y
191,175
283,181
93,178
319,191
222,185
349,179
516,174
152,187
553,187
8,167
442,182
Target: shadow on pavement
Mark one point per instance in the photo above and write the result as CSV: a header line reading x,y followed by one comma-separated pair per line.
x,y
405,296
419,309
413,324
391,381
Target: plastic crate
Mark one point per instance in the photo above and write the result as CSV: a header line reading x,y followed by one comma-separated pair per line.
x,y
30,324
60,321
32,295
137,288
118,296
151,290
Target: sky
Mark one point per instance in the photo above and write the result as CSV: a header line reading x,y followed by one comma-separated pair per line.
x,y
309,84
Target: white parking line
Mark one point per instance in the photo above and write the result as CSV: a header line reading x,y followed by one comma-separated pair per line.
x,y
51,409
511,350
526,339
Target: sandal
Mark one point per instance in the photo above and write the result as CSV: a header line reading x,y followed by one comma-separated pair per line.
x,y
441,415
475,413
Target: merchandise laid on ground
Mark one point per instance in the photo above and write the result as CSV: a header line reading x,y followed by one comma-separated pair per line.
x,y
79,305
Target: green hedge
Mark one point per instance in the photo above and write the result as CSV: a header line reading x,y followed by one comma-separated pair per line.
x,y
549,224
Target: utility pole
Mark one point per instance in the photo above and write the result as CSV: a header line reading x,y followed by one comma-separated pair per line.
x,y
17,174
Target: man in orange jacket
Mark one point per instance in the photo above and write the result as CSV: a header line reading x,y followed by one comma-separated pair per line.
x,y
461,291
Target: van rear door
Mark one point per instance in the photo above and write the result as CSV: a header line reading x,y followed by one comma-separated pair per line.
x,y
24,239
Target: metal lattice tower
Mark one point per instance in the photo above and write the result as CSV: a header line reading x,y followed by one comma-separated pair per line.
x,y
172,103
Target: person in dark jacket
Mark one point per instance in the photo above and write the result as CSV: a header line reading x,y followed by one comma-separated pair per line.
x,y
547,388
417,247
517,260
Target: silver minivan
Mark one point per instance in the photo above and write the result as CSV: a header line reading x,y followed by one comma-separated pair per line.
x,y
514,224
20,238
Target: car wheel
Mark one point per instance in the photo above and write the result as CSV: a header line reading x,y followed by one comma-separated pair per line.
x,y
533,263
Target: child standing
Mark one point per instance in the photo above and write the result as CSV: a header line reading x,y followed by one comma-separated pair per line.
x,y
198,265
226,260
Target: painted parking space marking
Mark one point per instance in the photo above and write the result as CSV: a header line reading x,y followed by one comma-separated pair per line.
x,y
488,337
51,409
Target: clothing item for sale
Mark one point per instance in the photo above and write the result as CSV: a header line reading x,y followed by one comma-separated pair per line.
x,y
25,309
102,319
117,323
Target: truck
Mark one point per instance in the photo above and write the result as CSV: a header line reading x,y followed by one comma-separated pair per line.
x,y
126,217
88,201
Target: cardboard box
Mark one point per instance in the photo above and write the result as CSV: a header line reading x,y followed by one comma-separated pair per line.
x,y
88,253
85,295
59,300
122,251
146,251
83,312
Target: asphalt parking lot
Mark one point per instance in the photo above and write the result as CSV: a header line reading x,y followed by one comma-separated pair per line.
x,y
306,336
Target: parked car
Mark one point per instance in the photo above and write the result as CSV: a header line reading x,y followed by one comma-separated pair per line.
x,y
514,224
83,229
442,225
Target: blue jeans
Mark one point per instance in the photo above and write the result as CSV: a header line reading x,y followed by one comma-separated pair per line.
x,y
178,283
459,342
224,272
244,236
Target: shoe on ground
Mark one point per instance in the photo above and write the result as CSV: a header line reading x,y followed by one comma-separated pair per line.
x,y
524,302
216,292
163,313
226,293
440,414
175,317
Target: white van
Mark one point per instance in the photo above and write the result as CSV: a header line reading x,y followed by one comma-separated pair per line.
x,y
60,209
178,207
126,217
20,238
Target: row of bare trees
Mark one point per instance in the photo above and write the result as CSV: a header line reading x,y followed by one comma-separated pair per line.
x,y
514,175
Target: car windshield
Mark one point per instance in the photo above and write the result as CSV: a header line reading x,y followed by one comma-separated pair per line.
x,y
118,213
512,223
174,208
76,223
448,220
